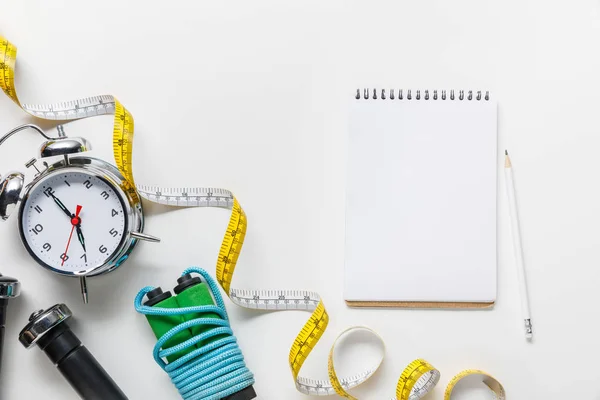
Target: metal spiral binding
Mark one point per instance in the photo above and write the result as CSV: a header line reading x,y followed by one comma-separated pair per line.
x,y
401,94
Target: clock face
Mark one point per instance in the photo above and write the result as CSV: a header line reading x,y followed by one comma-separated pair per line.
x,y
73,221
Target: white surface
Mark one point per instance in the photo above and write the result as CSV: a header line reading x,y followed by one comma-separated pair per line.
x,y
421,201
267,82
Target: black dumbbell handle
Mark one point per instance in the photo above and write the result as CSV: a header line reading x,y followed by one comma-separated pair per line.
x,y
78,365
3,304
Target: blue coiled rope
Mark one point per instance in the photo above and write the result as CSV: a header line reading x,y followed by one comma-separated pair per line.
x,y
212,372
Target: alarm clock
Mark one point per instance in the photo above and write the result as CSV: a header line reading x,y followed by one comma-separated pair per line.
x,y
75,218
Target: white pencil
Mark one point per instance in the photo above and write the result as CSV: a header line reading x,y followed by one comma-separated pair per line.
x,y
518,249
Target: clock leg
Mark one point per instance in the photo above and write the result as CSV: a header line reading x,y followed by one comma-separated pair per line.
x,y
84,289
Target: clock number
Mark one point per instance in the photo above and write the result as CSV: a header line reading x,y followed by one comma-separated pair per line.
x,y
114,213
84,256
88,184
103,249
64,257
105,195
49,192
38,209
113,232
47,246
37,229
68,184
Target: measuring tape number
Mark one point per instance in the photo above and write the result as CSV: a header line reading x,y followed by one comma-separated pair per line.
x,y
415,381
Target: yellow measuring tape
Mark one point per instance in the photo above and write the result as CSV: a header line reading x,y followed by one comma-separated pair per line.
x,y
416,380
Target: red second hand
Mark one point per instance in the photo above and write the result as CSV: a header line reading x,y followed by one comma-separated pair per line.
x,y
74,222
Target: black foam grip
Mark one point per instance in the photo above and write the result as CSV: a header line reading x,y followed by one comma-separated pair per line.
x,y
78,365
244,394
3,304
1,344
88,378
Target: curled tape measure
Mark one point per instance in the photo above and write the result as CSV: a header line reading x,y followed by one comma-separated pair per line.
x,y
416,380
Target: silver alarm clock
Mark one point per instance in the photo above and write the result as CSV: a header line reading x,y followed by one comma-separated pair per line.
x,y
75,218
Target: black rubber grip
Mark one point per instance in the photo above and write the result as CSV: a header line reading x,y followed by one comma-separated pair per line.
x,y
244,394
1,345
3,304
88,378
78,365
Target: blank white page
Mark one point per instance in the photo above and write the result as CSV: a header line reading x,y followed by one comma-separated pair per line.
x,y
421,201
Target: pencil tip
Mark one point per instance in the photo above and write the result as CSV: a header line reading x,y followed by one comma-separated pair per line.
x,y
507,163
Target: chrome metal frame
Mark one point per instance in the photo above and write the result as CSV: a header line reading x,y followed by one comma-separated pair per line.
x,y
111,175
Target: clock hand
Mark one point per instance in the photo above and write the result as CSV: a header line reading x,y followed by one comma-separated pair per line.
x,y
74,222
80,236
61,205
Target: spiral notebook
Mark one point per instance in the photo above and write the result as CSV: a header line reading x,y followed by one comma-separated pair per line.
x,y
421,199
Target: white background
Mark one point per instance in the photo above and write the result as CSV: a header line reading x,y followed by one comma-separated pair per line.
x,y
253,96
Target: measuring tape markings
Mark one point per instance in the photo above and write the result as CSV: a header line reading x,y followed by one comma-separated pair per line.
x,y
492,383
8,58
187,197
415,381
340,387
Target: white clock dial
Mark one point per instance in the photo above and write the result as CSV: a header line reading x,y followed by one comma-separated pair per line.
x,y
58,238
